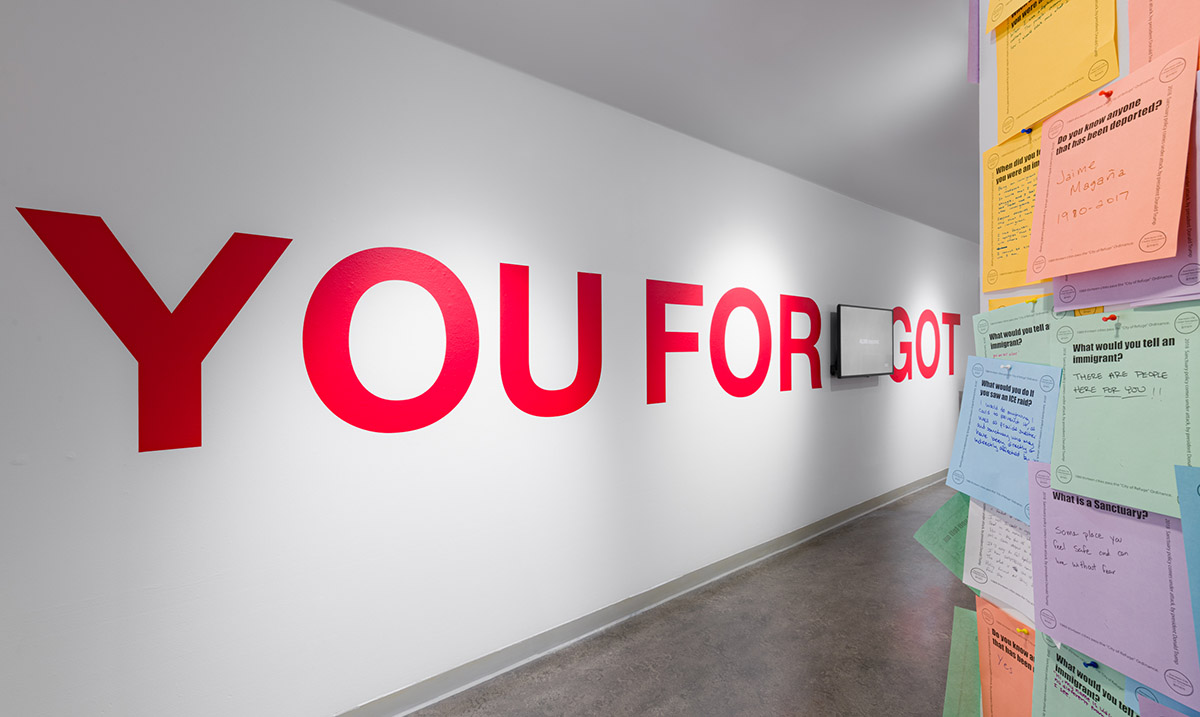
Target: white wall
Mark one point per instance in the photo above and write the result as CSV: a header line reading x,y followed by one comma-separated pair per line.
x,y
296,565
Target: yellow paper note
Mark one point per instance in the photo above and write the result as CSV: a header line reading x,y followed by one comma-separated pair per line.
x,y
1001,10
1049,54
1110,185
1156,26
1009,188
1012,301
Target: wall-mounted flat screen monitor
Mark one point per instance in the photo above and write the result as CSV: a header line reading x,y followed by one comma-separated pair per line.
x,y
862,341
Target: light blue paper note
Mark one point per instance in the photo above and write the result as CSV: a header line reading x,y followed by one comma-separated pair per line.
x,y
1135,689
1187,481
1006,420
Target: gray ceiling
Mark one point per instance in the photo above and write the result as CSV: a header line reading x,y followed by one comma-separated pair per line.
x,y
867,98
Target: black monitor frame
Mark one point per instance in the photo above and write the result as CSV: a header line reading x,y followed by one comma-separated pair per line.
x,y
836,339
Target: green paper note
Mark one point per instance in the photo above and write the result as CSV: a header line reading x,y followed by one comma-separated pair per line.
x,y
1124,417
945,533
1064,687
1022,332
962,679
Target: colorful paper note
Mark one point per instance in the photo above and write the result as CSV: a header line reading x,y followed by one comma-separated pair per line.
x,y
1025,332
1157,26
998,560
1150,708
1125,419
962,677
1110,579
1158,302
1188,487
1110,182
1049,54
999,11
1006,648
1148,282
1006,419
1067,683
1009,187
945,533
994,304
1138,694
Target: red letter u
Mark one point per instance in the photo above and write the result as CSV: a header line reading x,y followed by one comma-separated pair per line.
x,y
524,393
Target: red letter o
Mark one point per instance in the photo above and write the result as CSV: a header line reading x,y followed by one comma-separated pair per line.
x,y
928,317
734,386
327,340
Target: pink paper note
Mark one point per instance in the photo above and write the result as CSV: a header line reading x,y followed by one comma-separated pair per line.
x,y
1159,25
1149,282
1110,182
1111,582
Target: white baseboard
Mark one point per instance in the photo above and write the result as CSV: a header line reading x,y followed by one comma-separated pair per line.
x,y
438,687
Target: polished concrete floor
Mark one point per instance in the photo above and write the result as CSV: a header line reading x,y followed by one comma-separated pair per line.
x,y
854,622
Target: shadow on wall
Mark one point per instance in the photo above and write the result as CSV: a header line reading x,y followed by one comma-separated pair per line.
x,y
853,383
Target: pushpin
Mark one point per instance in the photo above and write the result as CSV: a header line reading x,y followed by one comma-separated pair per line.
x,y
1027,131
1110,317
1106,94
1006,366
1023,631
1093,663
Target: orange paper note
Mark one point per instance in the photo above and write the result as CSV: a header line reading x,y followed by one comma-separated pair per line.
x,y
1005,662
994,304
1156,26
1110,182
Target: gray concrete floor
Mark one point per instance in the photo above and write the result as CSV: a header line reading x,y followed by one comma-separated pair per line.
x,y
854,622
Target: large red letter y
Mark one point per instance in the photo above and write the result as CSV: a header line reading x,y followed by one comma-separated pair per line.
x,y
168,345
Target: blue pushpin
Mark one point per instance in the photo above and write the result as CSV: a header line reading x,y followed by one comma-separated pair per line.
x,y
1093,663
1027,131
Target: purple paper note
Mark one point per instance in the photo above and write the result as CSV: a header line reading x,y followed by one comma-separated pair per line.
x,y
1192,296
1111,582
973,42
1149,282
1150,708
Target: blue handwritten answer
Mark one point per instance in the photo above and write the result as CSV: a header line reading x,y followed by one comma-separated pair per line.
x,y
1005,431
